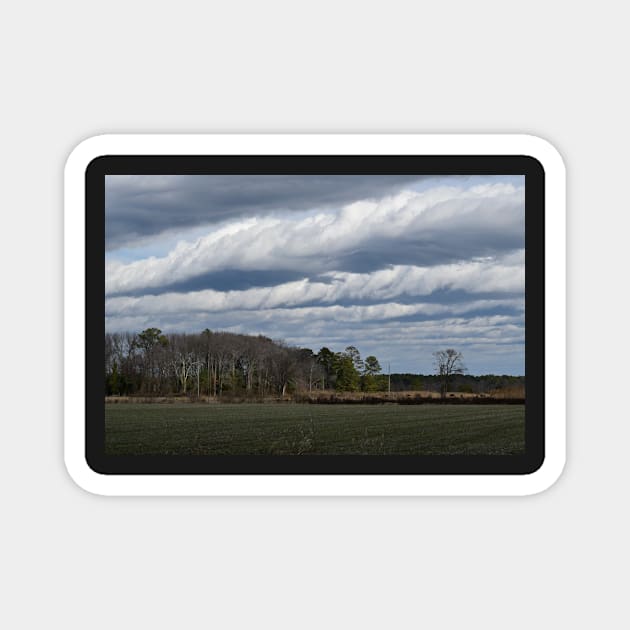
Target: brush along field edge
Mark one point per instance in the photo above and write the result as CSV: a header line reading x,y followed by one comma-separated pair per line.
x,y
316,485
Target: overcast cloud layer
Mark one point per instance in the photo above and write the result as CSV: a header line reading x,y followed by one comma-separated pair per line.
x,y
398,266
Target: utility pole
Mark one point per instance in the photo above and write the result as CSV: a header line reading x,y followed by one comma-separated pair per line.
x,y
389,378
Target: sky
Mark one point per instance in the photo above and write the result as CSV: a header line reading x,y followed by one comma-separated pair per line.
x,y
398,266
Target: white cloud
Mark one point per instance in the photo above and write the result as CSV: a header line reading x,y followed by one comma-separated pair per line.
x,y
486,276
309,241
490,343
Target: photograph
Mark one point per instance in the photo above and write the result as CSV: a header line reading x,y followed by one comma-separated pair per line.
x,y
271,314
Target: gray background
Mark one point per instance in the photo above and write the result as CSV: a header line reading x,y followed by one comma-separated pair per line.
x,y
72,70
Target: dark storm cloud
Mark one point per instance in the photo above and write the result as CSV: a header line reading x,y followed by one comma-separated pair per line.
x,y
140,206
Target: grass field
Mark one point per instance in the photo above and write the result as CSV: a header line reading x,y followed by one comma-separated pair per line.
x,y
295,429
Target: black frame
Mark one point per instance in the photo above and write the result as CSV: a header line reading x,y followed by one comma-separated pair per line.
x,y
316,165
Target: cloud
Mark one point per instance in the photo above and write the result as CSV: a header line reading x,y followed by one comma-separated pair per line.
x,y
491,343
336,313
141,206
487,276
397,267
438,225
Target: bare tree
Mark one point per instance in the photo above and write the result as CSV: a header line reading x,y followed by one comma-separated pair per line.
x,y
183,366
448,363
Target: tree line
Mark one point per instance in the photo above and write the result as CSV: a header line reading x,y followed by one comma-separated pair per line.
x,y
221,363
217,364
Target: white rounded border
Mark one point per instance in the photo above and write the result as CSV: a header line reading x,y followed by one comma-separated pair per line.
x,y
315,485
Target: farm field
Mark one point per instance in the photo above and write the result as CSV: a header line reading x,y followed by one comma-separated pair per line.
x,y
303,429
